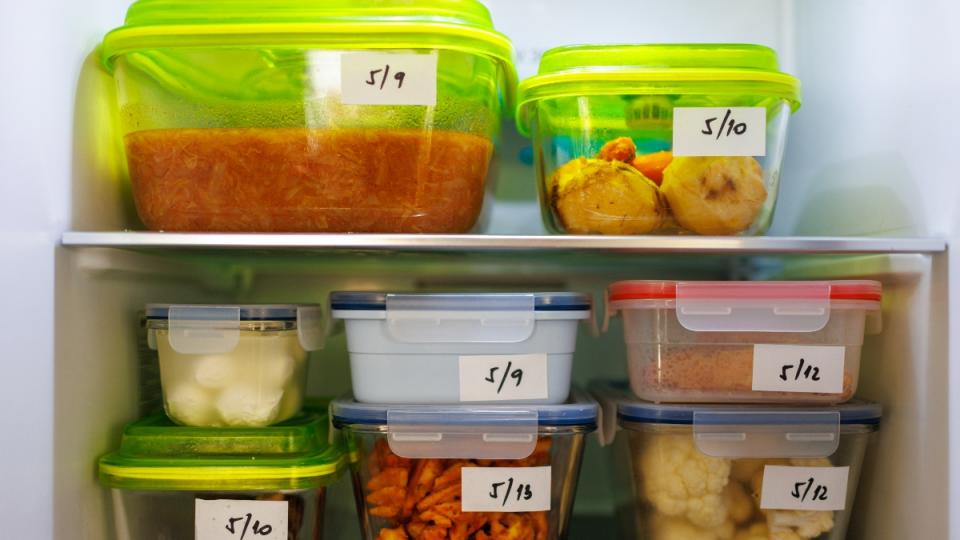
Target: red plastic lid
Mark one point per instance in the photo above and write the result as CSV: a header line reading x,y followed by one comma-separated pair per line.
x,y
667,290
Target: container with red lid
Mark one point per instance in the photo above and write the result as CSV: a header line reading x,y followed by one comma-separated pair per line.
x,y
745,342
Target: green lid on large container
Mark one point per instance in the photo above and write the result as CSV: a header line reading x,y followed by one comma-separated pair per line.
x,y
463,25
156,454
711,69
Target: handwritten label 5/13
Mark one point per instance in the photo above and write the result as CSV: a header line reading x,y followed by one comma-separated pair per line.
x,y
503,377
505,489
798,368
719,131
388,78
804,488
226,519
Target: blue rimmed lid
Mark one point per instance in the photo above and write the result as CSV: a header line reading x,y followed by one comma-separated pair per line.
x,y
542,301
248,312
579,411
853,412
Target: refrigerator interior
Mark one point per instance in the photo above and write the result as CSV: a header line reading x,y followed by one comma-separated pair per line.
x,y
868,154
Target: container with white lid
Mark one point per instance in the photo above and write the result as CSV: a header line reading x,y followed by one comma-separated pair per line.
x,y
745,342
449,348
465,471
233,365
734,471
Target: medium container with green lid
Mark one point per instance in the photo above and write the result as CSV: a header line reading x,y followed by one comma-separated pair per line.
x,y
304,116
171,481
658,139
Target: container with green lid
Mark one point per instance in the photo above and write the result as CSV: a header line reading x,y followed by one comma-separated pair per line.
x,y
306,116
171,481
658,139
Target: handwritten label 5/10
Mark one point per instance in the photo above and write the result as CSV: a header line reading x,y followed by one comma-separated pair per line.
x,y
804,488
719,131
226,519
503,377
505,489
798,368
388,78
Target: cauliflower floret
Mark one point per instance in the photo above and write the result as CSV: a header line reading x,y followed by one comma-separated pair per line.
x,y
675,528
756,531
739,504
679,480
786,534
805,523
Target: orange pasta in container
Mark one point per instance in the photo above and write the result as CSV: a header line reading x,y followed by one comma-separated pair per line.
x,y
465,472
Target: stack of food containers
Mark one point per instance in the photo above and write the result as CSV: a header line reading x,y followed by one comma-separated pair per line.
x,y
236,450
741,425
462,420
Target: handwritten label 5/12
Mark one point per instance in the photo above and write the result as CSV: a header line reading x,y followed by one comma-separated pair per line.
x,y
804,488
503,377
388,78
505,489
798,368
719,131
226,519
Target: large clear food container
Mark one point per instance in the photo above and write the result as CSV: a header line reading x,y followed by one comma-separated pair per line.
x,y
745,342
666,139
240,365
306,116
449,348
175,482
742,472
465,472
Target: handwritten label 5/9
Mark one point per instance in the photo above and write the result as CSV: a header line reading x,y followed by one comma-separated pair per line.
x,y
505,489
798,368
719,131
226,519
388,78
804,488
503,377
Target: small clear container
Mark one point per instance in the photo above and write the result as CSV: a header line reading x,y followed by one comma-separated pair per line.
x,y
307,116
239,366
465,472
658,139
745,342
170,481
449,348
752,472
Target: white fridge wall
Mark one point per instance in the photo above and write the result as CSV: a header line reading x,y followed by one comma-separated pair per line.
x,y
869,153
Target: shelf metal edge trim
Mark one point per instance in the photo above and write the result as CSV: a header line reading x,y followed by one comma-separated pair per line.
x,y
439,243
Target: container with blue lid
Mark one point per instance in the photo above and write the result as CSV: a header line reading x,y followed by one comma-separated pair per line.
x,y
460,348
460,454
753,471
233,365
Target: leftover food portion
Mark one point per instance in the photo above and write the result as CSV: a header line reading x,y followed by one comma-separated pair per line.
x,y
308,180
420,499
620,192
593,196
256,384
686,494
709,370
714,195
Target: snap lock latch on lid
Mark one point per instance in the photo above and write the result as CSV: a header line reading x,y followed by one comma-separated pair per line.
x,y
458,433
753,306
766,434
461,318
204,329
